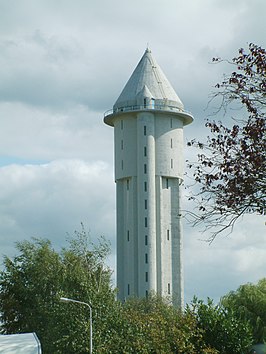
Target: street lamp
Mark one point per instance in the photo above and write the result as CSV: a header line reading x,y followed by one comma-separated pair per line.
x,y
65,299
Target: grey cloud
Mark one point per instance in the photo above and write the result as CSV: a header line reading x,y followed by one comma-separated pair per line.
x,y
46,71
53,199
227,263
44,135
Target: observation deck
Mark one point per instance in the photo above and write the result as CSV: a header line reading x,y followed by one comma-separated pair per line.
x,y
153,107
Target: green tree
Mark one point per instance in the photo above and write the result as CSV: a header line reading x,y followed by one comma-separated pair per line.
x,y
230,170
221,329
149,326
152,325
248,303
32,283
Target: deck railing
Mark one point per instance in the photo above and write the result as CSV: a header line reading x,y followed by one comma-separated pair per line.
x,y
158,107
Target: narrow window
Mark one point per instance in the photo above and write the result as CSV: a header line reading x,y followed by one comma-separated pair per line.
x,y
171,163
128,289
122,164
122,125
145,186
145,102
146,277
146,258
145,168
146,221
171,143
167,183
127,184
145,130
128,235
171,123
122,144
145,151
169,289
168,235
146,240
147,294
145,204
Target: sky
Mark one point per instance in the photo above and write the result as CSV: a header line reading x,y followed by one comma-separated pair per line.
x,y
62,65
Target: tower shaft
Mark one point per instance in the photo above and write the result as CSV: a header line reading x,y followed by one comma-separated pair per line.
x,y
148,160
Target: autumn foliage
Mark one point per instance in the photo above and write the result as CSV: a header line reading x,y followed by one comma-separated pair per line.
x,y
230,170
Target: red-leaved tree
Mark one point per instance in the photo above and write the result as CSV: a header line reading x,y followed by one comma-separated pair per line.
x,y
230,171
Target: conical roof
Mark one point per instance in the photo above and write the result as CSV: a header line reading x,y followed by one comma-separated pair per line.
x,y
148,82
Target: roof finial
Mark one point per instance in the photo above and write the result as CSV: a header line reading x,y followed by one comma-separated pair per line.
x,y
147,48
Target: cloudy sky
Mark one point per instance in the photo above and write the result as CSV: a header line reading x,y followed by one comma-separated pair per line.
x,y
62,65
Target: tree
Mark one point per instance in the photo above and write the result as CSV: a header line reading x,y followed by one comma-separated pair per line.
x,y
221,329
248,303
152,325
230,170
32,283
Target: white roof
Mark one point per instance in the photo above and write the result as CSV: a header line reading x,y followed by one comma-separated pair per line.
x,y
148,81
23,343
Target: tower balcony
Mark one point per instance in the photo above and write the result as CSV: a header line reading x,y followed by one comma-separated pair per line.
x,y
152,107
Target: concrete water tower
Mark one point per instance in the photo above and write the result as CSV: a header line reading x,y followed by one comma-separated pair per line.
x,y
148,119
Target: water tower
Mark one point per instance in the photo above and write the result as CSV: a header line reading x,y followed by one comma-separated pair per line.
x,y
148,119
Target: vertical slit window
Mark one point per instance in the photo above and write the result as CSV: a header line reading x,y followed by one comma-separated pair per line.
x,y
145,151
145,186
146,240
168,235
128,235
167,183
128,289
145,203
172,163
171,144
127,184
168,288
147,294
146,277
146,258
122,164
145,168
145,102
122,144
146,221
171,123
145,130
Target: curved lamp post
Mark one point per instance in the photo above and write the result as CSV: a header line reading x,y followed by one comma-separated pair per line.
x,y
65,299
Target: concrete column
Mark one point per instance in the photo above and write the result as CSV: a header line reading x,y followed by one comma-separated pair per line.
x,y
120,239
146,202
177,247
